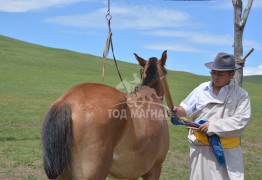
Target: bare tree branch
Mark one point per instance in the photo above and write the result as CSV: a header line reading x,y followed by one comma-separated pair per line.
x,y
246,13
245,57
237,4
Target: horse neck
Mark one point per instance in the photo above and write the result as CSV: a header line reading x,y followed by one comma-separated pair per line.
x,y
156,85
158,88
152,79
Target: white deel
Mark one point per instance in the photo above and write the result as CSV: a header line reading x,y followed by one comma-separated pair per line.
x,y
228,114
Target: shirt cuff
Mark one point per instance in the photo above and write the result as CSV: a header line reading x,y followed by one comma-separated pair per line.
x,y
187,109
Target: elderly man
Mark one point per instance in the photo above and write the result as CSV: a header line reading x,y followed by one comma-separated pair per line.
x,y
226,107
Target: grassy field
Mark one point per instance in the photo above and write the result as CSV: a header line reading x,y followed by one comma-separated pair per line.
x,y
33,76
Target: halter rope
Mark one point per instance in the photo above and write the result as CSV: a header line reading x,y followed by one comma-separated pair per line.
x,y
109,43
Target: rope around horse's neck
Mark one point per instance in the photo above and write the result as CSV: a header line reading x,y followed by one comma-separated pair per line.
x,y
109,43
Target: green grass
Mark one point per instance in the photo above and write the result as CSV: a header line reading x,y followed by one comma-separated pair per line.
x,y
32,77
255,79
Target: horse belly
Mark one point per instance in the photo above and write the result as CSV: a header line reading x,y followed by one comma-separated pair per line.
x,y
129,165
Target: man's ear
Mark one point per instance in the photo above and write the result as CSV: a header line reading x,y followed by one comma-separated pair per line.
x,y
140,60
162,61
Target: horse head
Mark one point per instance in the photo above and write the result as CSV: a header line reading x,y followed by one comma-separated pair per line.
x,y
151,71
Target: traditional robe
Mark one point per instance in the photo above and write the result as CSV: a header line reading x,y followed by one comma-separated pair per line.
x,y
228,114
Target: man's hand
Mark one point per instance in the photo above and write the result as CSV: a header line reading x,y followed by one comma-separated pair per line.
x,y
179,110
204,127
171,113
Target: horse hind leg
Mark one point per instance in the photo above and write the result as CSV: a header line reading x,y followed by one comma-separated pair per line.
x,y
92,150
91,163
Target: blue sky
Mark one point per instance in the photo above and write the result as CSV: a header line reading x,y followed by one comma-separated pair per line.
x,y
192,32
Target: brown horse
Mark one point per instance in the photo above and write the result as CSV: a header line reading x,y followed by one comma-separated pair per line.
x,y
95,131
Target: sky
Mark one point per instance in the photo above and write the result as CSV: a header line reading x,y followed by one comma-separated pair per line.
x,y
191,31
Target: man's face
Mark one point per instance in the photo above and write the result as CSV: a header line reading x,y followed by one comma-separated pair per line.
x,y
221,78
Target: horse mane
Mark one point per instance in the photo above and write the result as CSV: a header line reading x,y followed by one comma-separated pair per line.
x,y
151,72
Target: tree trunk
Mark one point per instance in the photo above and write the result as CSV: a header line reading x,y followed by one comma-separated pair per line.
x,y
239,25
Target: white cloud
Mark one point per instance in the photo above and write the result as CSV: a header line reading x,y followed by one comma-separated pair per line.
x,y
127,17
175,47
248,44
189,41
253,70
32,5
206,38
257,4
145,17
95,19
196,37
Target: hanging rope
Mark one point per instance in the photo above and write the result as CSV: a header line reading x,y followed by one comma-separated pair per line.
x,y
109,43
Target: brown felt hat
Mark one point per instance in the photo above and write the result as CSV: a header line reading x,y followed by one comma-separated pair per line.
x,y
223,62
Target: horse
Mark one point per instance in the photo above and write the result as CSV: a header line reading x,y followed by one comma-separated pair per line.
x,y
92,132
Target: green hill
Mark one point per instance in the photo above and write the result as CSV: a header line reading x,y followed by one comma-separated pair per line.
x,y
33,76
254,79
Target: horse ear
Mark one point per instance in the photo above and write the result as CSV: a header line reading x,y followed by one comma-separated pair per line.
x,y
162,61
141,61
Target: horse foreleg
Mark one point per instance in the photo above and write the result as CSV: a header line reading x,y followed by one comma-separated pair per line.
x,y
153,174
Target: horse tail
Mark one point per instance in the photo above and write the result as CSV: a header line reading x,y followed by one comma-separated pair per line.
x,y
56,140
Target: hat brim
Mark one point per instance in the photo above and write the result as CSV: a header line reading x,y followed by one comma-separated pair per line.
x,y
210,66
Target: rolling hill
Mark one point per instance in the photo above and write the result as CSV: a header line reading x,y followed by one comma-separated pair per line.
x,y
254,79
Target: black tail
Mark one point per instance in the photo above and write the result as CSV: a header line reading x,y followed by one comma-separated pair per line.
x,y
56,139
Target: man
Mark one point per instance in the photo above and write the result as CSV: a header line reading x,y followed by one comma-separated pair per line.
x,y
226,107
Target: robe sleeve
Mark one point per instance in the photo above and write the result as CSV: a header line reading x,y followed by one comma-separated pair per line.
x,y
234,125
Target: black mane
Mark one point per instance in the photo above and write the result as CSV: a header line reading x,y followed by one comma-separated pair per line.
x,y
151,72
